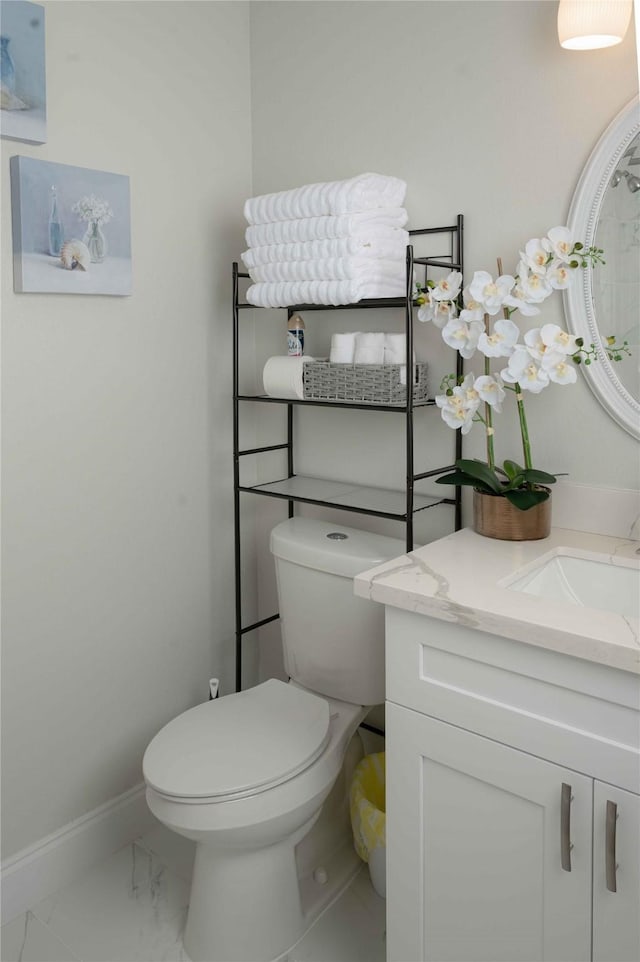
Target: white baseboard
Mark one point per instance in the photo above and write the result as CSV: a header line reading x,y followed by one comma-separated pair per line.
x,y
55,861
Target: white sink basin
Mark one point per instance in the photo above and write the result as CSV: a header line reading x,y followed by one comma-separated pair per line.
x,y
591,582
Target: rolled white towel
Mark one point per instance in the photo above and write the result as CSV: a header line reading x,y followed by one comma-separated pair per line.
x,y
363,192
385,242
369,349
331,293
282,376
395,349
343,347
330,269
361,224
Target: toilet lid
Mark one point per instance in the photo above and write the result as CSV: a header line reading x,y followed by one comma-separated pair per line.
x,y
239,743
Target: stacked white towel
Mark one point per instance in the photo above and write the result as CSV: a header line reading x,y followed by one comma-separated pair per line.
x,y
369,349
343,347
331,243
395,349
327,269
365,225
356,347
395,352
364,192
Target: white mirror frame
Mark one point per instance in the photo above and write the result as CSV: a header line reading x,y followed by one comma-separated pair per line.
x,y
578,299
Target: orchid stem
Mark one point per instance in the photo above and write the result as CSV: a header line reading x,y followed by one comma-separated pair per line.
x,y
488,413
524,429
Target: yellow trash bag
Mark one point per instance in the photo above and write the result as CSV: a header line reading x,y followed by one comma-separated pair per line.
x,y
368,819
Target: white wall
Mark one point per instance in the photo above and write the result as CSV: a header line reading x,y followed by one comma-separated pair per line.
x,y
481,111
117,488
117,504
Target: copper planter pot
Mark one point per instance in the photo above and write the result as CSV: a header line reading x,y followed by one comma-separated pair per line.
x,y
495,517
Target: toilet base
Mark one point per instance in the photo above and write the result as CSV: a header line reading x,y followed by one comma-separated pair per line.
x,y
244,905
254,906
316,897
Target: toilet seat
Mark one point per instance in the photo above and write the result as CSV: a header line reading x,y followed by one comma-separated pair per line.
x,y
240,744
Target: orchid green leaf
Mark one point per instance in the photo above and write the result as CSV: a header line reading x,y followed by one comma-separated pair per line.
x,y
533,476
512,469
480,472
458,477
523,499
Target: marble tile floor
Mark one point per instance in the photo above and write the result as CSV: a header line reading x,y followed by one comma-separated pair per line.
x,y
132,908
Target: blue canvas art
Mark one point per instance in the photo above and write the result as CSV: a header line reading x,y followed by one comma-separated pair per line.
x,y
71,229
22,72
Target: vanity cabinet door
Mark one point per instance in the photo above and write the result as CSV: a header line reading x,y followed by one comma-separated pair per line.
x,y
616,874
477,836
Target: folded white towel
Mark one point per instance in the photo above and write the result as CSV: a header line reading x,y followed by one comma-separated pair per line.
x,y
343,347
331,269
382,242
364,192
369,349
395,349
361,224
331,293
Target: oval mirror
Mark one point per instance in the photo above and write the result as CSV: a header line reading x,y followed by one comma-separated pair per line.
x,y
605,213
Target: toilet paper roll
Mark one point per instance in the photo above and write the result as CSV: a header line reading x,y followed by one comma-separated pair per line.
x,y
343,348
369,349
282,376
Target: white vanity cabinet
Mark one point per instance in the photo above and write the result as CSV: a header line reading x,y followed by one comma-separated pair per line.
x,y
513,799
616,876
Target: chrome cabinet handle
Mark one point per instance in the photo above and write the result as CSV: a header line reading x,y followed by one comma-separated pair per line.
x,y
565,827
610,846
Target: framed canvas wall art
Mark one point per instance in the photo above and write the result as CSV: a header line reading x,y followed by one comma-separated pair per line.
x,y
71,229
23,98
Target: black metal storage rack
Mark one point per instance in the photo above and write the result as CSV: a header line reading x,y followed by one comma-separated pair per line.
x,y
292,488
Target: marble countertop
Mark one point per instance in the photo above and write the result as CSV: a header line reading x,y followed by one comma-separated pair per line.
x,y
461,578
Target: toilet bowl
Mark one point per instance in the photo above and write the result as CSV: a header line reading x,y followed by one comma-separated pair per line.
x,y
259,779
248,801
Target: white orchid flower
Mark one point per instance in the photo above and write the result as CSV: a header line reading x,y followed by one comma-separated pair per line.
x,y
459,408
560,243
456,416
559,275
474,308
443,311
541,341
490,390
559,368
488,293
554,338
447,288
526,370
502,340
535,256
425,311
534,343
462,335
468,393
535,287
517,300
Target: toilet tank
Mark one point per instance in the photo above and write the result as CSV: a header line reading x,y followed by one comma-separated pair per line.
x,y
333,642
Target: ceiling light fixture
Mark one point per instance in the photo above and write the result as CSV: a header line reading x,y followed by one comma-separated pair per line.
x,y
590,24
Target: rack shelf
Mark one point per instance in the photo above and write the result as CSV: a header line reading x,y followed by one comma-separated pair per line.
x,y
335,404
362,499
295,489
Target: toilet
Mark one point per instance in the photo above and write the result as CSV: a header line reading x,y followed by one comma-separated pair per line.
x,y
259,779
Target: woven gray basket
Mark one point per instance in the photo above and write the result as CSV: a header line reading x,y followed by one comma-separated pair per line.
x,y
362,383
